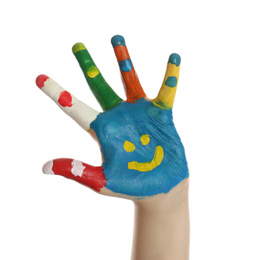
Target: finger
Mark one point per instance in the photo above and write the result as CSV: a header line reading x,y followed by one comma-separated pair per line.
x,y
77,110
83,173
104,94
166,95
133,88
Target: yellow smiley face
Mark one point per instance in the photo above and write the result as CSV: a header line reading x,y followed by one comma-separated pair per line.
x,y
144,166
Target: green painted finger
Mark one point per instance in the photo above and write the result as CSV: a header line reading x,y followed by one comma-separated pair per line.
x,y
104,94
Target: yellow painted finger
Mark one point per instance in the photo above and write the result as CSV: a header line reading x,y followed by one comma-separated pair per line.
x,y
166,95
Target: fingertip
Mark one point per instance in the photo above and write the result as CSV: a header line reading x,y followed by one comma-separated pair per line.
x,y
40,80
175,59
118,40
47,167
78,47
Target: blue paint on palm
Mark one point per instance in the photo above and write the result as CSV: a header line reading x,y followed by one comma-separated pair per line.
x,y
128,122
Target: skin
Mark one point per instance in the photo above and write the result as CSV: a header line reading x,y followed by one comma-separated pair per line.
x,y
142,154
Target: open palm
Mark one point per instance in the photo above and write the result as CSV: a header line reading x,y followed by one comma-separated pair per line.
x,y
142,152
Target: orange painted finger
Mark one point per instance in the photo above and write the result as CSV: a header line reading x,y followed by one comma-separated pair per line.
x,y
133,88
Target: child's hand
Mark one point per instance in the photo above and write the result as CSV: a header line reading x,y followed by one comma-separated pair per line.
x,y
142,152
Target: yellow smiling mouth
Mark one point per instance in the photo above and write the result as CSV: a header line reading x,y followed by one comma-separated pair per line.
x,y
148,166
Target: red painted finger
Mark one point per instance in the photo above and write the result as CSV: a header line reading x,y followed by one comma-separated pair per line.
x,y
83,173
133,88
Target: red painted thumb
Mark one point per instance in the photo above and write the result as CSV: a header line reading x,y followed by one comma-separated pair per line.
x,y
83,173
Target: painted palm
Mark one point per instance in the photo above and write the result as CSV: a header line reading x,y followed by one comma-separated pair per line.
x,y
142,152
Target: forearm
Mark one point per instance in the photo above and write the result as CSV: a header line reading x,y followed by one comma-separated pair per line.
x,y
161,228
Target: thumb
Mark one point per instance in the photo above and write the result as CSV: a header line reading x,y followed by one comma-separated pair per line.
x,y
90,176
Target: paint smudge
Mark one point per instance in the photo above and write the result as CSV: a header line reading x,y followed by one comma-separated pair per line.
x,y
65,99
126,65
175,59
40,80
145,139
128,146
78,168
47,167
118,40
93,72
78,47
171,82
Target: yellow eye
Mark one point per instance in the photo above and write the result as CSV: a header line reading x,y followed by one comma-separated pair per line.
x,y
128,146
145,139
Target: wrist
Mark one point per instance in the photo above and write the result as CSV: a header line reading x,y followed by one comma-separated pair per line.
x,y
163,202
161,229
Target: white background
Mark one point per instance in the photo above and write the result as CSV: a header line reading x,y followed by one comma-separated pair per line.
x,y
49,217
